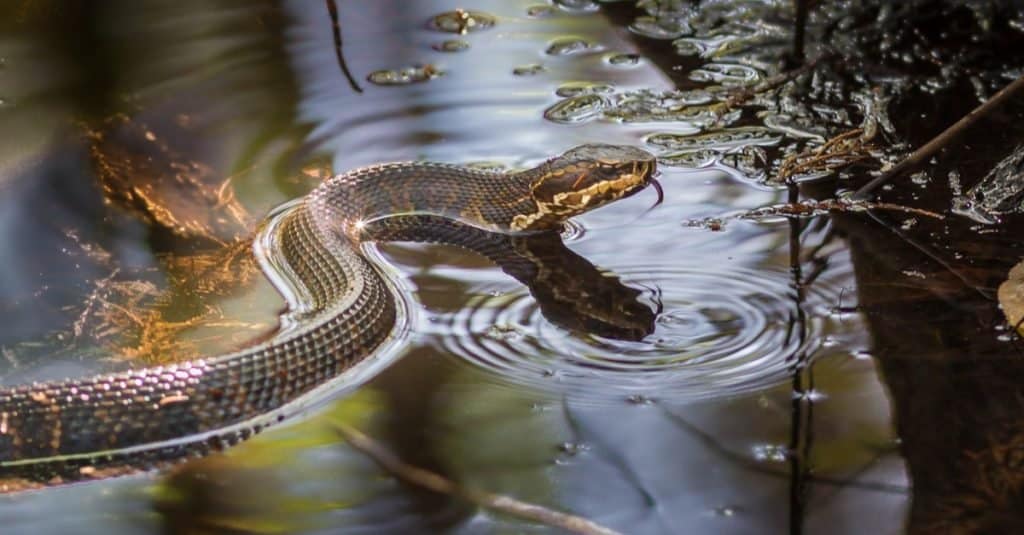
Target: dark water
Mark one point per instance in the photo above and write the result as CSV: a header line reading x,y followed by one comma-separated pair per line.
x,y
840,373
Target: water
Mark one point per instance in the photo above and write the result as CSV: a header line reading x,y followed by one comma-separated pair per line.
x,y
820,373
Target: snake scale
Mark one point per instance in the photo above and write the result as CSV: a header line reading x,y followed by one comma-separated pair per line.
x,y
345,311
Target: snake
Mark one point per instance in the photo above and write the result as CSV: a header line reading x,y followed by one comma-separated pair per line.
x,y
342,308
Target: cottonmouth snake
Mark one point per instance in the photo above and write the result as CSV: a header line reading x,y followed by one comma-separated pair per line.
x,y
342,311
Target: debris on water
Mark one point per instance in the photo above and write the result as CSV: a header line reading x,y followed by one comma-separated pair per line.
x,y
540,11
656,28
503,332
528,70
999,193
623,60
406,76
714,224
576,109
693,159
722,140
564,46
452,45
461,21
576,5
573,89
727,74
1011,297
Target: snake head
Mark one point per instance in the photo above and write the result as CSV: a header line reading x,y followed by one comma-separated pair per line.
x,y
582,179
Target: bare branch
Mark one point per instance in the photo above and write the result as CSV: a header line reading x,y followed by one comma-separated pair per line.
x,y
442,485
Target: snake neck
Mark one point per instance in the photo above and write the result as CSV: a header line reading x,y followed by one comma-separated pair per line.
x,y
488,200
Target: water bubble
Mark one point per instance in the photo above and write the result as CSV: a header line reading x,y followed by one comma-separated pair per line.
x,y
576,109
461,21
564,46
452,45
406,76
528,70
623,60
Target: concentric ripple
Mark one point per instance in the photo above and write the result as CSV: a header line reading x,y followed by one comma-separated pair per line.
x,y
720,333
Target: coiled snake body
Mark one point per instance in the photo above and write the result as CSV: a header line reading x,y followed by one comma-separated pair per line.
x,y
346,310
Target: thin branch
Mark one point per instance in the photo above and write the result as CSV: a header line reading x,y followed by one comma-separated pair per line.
x,y
332,9
742,95
442,485
926,151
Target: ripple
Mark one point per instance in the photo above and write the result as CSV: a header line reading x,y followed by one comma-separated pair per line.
x,y
720,334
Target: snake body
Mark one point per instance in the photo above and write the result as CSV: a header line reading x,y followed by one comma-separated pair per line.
x,y
345,312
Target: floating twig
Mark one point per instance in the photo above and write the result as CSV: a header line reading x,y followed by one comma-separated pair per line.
x,y
926,151
442,485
